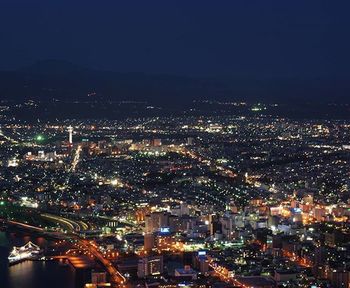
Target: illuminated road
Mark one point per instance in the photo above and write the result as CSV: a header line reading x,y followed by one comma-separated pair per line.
x,y
24,225
222,273
76,158
38,229
116,278
122,221
71,225
206,161
301,261
13,141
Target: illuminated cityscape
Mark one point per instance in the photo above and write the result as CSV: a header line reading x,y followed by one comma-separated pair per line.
x,y
250,200
174,144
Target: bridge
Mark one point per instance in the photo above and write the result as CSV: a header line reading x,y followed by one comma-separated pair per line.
x,y
116,278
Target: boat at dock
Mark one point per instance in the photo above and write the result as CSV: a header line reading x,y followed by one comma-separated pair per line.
x,y
29,251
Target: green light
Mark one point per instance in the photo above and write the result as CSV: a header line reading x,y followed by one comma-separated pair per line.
x,y
2,203
39,138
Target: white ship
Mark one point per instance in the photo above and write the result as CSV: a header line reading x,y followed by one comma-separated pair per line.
x,y
29,251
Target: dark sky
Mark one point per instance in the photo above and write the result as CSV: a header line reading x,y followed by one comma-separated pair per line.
x,y
299,38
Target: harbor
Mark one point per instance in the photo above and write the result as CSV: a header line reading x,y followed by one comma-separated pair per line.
x,y
39,272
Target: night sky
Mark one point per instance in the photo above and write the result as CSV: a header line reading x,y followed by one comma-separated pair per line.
x,y
198,38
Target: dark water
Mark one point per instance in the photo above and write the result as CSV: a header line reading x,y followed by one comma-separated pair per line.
x,y
31,274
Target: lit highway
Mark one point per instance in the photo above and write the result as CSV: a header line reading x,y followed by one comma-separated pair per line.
x,y
76,158
13,141
116,278
70,225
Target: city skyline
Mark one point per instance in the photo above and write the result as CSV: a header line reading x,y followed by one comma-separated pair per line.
x,y
174,144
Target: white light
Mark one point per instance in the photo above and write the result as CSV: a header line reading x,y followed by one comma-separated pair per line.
x,y
114,182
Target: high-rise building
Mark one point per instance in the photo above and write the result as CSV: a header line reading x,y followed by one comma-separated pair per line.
x,y
149,266
214,224
156,220
149,241
227,227
98,277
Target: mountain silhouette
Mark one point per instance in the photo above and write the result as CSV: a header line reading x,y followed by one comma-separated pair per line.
x,y
62,80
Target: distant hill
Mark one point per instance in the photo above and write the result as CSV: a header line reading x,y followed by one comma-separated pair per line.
x,y
54,79
54,67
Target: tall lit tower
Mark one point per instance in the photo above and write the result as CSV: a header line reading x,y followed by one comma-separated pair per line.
x,y
70,131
